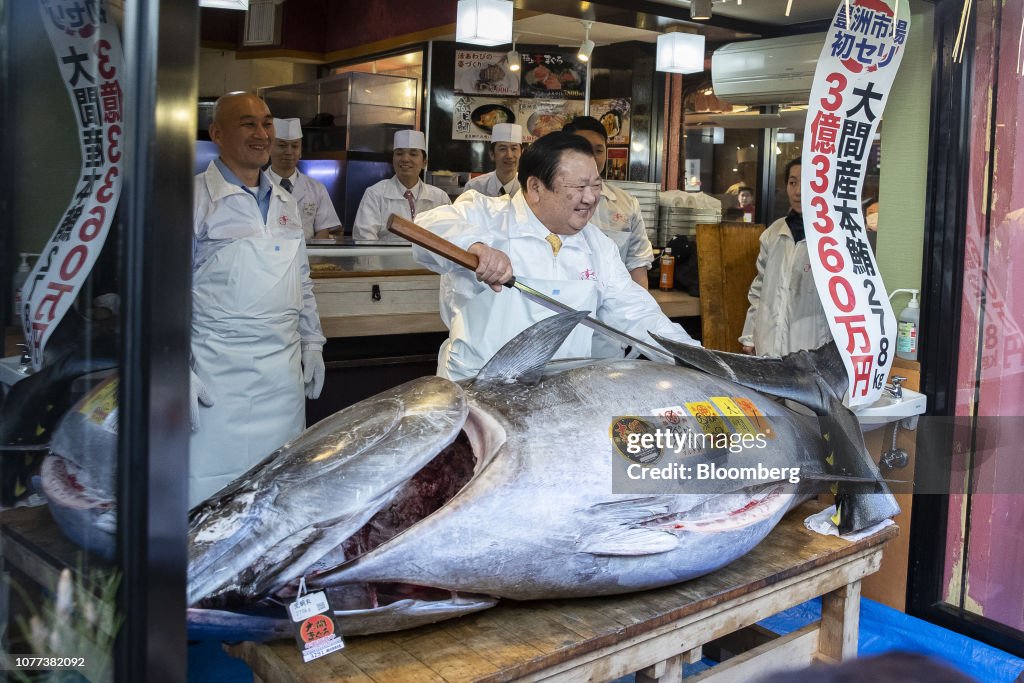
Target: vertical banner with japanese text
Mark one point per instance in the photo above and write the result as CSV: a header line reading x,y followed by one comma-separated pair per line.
x,y
88,52
855,73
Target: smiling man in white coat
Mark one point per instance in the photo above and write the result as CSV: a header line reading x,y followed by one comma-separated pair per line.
x,y
403,193
544,237
506,149
256,337
319,218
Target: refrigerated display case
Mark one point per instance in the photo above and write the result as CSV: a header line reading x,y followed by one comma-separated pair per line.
x,y
348,124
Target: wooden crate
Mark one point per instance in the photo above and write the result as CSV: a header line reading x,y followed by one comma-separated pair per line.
x,y
727,264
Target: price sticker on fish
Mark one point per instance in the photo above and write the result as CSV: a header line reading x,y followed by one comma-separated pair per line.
x,y
315,630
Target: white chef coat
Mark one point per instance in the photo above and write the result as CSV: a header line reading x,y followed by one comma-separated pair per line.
x,y
585,258
253,311
315,206
618,216
387,197
490,185
785,313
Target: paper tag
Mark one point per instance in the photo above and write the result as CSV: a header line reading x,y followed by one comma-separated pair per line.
x,y
315,630
308,605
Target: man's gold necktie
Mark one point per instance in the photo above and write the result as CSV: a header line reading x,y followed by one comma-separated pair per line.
x,y
555,242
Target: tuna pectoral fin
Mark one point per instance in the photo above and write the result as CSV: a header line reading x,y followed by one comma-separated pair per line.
x,y
860,504
807,377
523,358
628,541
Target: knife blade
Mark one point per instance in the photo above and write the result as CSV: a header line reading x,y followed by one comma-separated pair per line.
x,y
442,247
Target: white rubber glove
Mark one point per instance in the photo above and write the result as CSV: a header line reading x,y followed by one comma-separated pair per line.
x,y
197,394
313,372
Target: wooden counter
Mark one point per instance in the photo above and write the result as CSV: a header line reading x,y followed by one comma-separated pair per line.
x,y
600,639
407,302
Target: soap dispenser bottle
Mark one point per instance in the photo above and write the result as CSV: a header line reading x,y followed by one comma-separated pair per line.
x,y
908,326
20,277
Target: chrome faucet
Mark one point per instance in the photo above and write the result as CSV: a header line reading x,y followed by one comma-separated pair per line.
x,y
895,387
25,363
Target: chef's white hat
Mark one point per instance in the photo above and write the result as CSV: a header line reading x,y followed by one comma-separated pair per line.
x,y
507,132
410,139
287,129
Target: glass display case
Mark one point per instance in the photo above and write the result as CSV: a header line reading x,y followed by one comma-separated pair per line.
x,y
357,259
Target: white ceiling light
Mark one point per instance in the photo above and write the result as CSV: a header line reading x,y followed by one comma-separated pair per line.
x,y
225,4
587,46
700,9
681,53
484,22
514,62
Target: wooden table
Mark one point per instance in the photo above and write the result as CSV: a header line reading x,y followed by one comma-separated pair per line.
x,y
600,639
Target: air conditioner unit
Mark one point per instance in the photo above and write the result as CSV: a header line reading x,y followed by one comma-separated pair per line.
x,y
263,23
770,71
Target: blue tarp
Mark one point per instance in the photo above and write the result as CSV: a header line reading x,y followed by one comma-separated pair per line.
x,y
883,629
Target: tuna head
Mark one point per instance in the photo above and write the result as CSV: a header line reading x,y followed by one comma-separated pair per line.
x,y
306,498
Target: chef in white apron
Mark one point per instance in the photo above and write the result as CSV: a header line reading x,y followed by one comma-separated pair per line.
x,y
256,337
506,149
544,237
319,219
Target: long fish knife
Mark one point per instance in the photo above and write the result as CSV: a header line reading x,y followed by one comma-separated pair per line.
x,y
442,247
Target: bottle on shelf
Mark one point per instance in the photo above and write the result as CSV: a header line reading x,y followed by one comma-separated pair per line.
x,y
668,270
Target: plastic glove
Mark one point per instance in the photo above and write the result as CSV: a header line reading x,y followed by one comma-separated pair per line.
x,y
313,372
197,394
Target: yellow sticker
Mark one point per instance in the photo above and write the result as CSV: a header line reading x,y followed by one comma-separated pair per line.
x,y
102,402
739,421
748,408
707,417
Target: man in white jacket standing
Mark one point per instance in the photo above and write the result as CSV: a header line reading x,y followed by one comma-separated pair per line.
x,y
544,237
319,218
785,313
256,337
403,193
506,149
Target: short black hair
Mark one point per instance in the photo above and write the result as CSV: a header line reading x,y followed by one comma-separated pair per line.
x,y
522,145
744,188
580,123
542,157
795,161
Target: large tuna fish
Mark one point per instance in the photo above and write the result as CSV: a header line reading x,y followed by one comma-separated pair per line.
x,y
435,498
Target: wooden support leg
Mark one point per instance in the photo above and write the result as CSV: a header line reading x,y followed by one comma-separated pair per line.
x,y
668,671
840,617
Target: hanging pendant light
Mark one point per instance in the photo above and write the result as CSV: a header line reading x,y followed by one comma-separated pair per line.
x,y
484,22
681,53
700,10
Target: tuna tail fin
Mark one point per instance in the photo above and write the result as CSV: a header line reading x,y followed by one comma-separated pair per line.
x,y
858,504
816,379
523,358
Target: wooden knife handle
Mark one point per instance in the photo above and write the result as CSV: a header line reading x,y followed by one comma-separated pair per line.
x,y
431,242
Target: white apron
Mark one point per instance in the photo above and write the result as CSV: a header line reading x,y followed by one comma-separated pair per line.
x,y
246,301
491,319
